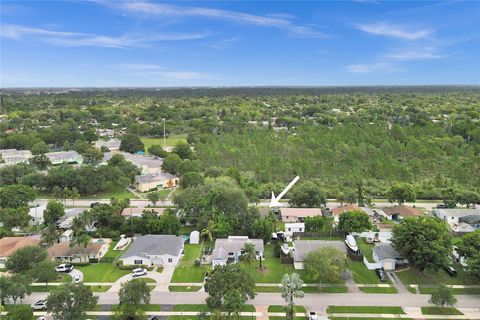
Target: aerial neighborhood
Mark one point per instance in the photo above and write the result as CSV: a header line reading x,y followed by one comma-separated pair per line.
x,y
147,224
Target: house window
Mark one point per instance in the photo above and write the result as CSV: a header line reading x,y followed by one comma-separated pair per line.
x,y
300,230
170,260
289,229
138,262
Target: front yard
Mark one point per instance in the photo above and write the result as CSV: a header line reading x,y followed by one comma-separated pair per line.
x,y
432,277
187,271
104,271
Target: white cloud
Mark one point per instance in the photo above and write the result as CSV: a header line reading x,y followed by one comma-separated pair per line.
x,y
159,9
425,54
396,31
378,67
155,70
78,39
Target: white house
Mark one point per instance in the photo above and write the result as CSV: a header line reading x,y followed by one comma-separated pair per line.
x,y
195,237
64,157
290,228
66,237
158,250
453,216
14,156
232,248
36,214
151,181
112,144
387,256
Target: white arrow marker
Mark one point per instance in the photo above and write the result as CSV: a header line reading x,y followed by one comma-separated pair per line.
x,y
275,202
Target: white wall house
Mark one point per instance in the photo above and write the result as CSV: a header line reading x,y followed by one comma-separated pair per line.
x,y
158,250
232,248
452,216
387,256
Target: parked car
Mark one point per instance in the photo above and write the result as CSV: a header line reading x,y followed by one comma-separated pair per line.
x,y
39,305
381,274
94,204
76,278
152,318
139,272
312,316
64,267
450,270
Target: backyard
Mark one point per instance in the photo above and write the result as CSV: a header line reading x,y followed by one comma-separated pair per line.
x,y
171,141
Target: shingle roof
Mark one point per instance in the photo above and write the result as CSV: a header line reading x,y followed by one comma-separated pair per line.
x,y
144,246
8,245
385,251
62,155
234,244
139,211
350,207
300,212
459,212
304,247
154,177
64,249
403,210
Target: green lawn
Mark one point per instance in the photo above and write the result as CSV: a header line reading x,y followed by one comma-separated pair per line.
x,y
51,288
366,248
184,288
361,274
283,318
186,271
432,277
118,194
190,307
171,141
273,269
441,311
429,290
361,309
102,272
282,309
362,318
379,290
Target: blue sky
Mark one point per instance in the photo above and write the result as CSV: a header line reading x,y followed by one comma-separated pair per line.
x,y
238,43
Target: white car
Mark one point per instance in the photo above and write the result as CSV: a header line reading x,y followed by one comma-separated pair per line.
x,y
76,279
39,305
139,272
312,316
64,267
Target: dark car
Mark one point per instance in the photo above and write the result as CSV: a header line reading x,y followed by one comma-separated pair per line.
x,y
381,274
94,204
450,270
152,318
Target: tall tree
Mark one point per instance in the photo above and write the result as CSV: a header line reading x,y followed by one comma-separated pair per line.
x,y
15,217
23,259
153,197
443,296
71,301
249,254
20,287
209,231
469,248
15,196
424,241
228,288
20,312
134,293
53,212
44,271
50,235
325,265
291,288
401,193
354,221
308,194
131,143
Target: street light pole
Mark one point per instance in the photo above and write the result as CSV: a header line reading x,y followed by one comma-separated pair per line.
x,y
164,139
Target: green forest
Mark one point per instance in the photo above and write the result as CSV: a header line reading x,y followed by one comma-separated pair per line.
x,y
338,138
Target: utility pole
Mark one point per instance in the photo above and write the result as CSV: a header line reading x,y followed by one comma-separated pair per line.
x,y
164,139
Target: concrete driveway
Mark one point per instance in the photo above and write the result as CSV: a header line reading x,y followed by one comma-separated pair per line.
x,y
162,279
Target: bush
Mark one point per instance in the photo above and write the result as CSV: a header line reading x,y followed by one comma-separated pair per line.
x,y
130,267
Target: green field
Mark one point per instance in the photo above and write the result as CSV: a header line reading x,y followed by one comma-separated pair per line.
x,y
282,309
104,271
432,277
184,288
361,309
118,194
441,311
186,271
361,274
171,141
379,289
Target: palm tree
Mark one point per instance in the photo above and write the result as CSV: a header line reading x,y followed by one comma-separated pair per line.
x,y
153,197
74,195
209,230
50,235
329,224
291,288
249,254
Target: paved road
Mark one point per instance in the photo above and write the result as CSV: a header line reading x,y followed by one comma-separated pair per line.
x,y
144,203
311,301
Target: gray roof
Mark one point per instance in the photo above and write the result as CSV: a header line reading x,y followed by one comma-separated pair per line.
x,y
458,212
234,244
385,251
62,155
148,245
65,222
154,177
304,247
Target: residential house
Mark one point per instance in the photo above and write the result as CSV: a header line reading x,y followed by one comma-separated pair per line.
x,y
36,214
158,250
147,182
303,247
386,255
94,251
9,245
454,216
296,227
336,212
397,213
14,156
64,157
232,248
138,212
65,222
145,163
66,237
298,214
111,144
